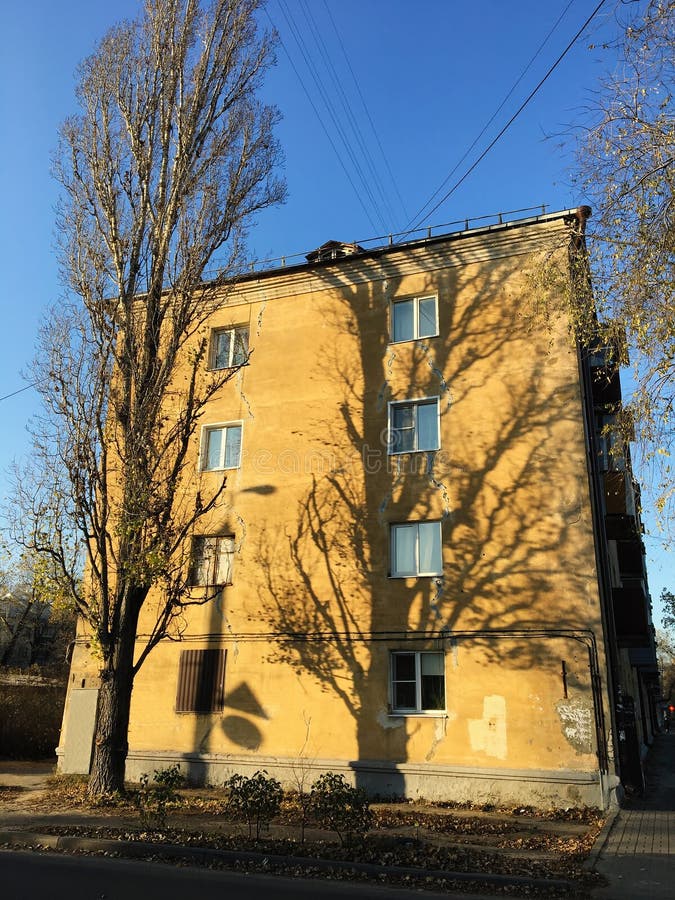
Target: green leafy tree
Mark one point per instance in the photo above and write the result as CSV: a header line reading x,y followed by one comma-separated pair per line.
x,y
163,166
37,619
665,644
667,599
627,172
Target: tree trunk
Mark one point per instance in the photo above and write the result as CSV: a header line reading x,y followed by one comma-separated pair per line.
x,y
111,745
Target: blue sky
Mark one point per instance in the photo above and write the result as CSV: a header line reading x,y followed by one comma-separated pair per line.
x,y
432,74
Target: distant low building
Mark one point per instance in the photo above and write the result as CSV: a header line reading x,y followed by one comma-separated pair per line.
x,y
25,631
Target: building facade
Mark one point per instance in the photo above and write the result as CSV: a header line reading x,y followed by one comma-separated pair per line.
x,y
426,571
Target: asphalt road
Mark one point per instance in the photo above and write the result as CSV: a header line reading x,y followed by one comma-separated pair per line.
x,y
27,875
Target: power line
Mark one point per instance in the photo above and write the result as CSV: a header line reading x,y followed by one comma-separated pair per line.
x,y
412,223
348,110
323,93
366,109
515,115
20,391
321,122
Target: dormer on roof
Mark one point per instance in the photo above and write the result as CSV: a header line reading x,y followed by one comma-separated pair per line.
x,y
333,250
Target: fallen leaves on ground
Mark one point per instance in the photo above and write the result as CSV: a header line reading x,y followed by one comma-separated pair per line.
x,y
426,837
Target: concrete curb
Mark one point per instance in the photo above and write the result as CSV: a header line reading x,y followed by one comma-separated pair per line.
x,y
591,860
200,855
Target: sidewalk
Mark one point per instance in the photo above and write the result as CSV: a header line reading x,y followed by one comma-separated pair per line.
x,y
636,853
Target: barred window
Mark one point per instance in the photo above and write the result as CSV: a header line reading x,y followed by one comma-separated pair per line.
x,y
212,558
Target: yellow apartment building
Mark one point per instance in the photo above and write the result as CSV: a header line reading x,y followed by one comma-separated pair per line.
x,y
426,569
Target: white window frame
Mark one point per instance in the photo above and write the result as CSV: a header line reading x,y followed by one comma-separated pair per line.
x,y
232,330
218,563
418,709
204,451
416,318
422,401
417,572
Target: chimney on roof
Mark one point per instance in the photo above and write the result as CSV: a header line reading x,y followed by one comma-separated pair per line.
x,y
333,250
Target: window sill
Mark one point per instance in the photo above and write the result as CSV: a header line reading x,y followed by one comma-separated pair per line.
x,y
227,368
441,714
416,575
209,587
410,452
413,340
223,469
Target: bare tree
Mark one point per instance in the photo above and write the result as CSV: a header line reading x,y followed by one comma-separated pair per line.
x,y
627,170
167,160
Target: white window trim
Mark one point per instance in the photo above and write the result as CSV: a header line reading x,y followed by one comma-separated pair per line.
x,y
407,402
416,318
212,348
392,555
418,711
203,445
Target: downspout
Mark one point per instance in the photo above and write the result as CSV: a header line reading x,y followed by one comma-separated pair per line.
x,y
581,288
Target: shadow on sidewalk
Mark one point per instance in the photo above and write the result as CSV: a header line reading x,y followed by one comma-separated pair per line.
x,y
635,855
659,770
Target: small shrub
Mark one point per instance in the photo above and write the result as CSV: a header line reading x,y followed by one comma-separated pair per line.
x,y
337,805
257,798
153,798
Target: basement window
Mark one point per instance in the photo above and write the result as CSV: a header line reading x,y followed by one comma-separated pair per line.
x,y
417,682
201,681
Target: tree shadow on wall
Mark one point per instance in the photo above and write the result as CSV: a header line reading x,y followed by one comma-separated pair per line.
x,y
499,485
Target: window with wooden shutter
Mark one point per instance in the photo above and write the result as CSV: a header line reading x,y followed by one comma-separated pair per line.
x,y
201,681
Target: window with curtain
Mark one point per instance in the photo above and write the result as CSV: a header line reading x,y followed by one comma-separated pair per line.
x,y
416,549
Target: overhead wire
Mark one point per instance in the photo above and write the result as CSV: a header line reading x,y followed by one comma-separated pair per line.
x,y
20,391
348,110
337,125
413,221
366,110
321,122
529,97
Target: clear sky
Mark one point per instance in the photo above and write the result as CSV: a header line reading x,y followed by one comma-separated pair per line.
x,y
431,74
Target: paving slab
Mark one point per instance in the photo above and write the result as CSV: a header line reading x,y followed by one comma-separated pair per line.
x,y
636,854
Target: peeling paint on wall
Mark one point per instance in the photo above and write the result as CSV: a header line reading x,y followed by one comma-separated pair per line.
x,y
242,531
440,732
454,650
440,487
384,720
386,500
439,589
488,734
382,396
431,362
240,389
260,318
577,724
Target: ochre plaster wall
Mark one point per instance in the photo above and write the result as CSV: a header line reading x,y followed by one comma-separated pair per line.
x,y
311,507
